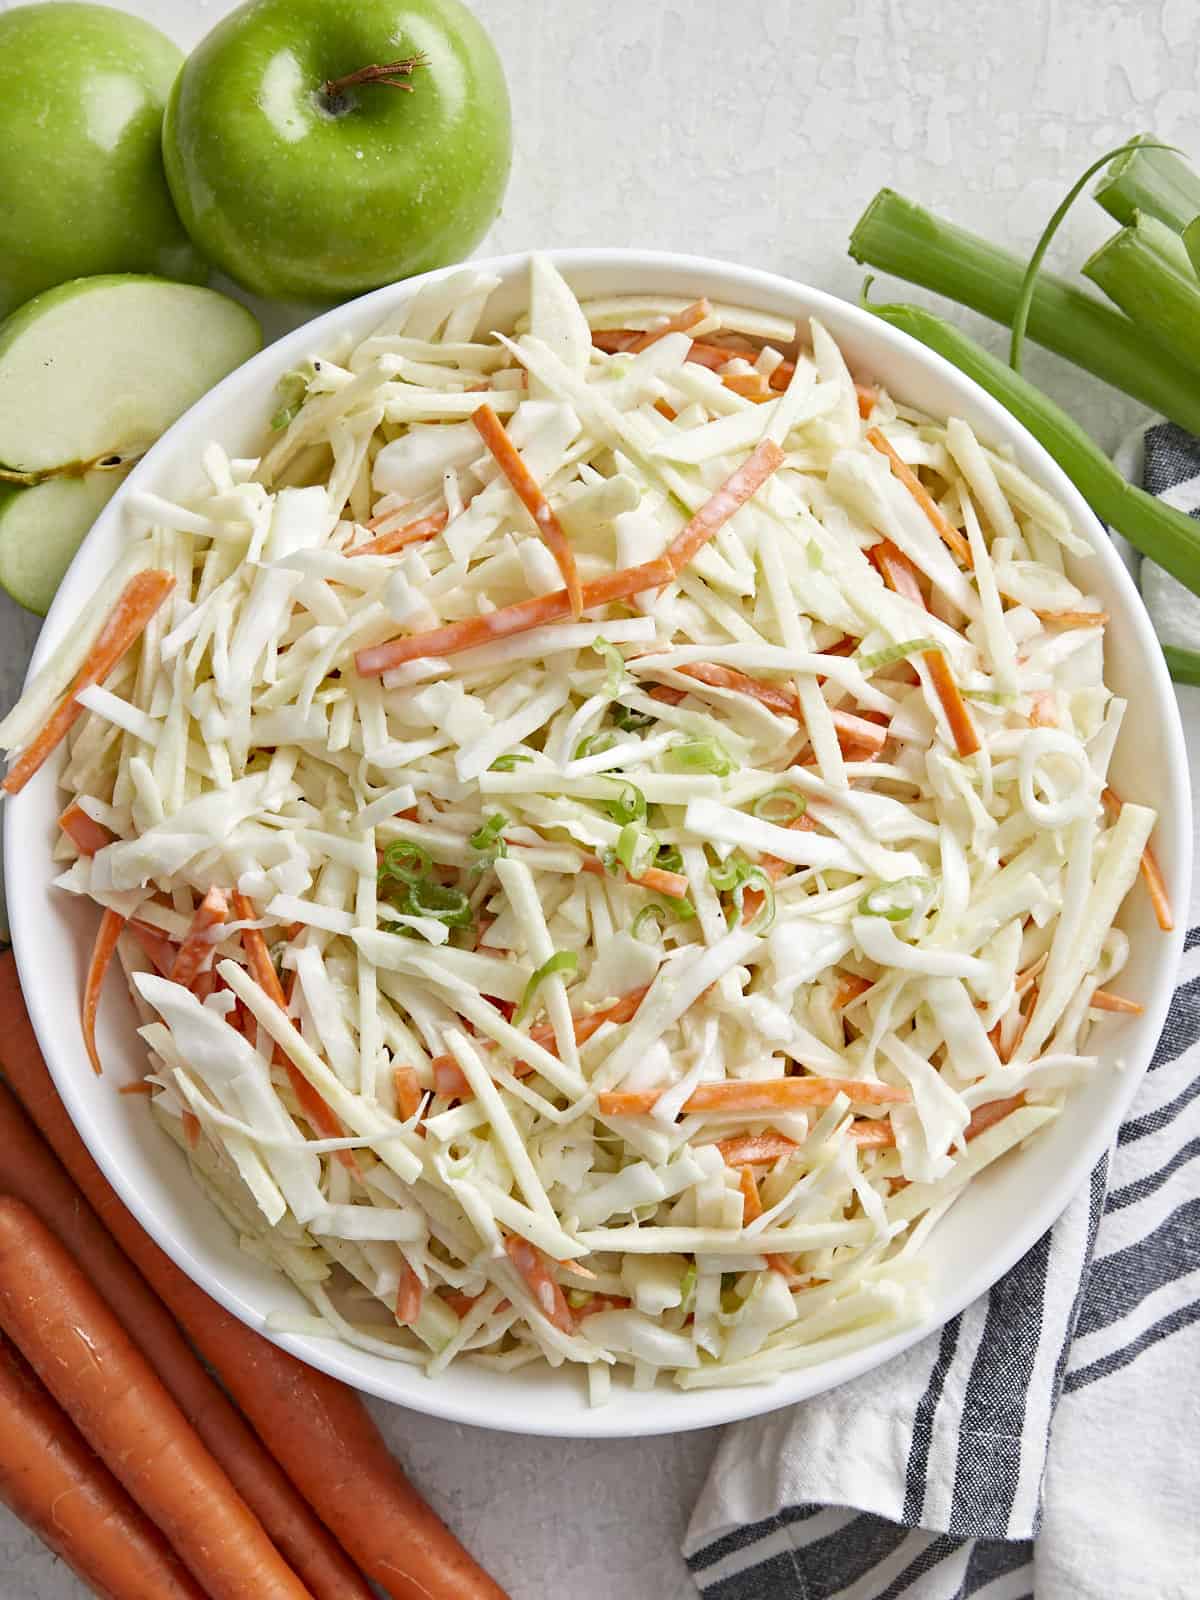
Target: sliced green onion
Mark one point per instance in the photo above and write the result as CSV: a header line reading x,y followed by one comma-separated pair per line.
x,y
1149,178
899,237
1159,531
629,805
895,652
445,904
1033,267
508,763
578,1298
895,902
636,848
560,961
594,744
488,836
702,755
766,807
670,859
734,877
406,861
687,1285
989,697
615,662
1145,270
292,390
630,721
655,912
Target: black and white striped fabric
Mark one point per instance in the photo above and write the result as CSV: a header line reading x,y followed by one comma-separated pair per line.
x,y
1047,1441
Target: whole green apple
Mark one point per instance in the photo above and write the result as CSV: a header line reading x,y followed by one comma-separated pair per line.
x,y
82,191
317,148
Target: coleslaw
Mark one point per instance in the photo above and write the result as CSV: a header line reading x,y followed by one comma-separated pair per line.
x,y
607,830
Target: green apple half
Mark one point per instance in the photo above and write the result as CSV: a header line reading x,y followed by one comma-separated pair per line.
x,y
91,373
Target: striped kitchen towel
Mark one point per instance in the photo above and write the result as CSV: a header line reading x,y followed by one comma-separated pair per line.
x,y
1047,1441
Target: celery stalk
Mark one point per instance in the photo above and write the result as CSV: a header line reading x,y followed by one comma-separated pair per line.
x,y
897,236
1183,665
1159,531
1145,271
1154,182
1191,240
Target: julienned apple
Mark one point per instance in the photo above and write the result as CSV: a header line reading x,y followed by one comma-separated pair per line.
x,y
318,148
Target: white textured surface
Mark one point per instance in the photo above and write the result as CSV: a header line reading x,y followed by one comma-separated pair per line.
x,y
755,131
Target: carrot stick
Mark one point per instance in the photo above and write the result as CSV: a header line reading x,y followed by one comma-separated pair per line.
x,y
530,1262
52,1481
781,1265
1151,871
507,620
714,357
851,730
751,1200
749,1094
945,530
140,599
699,311
258,957
408,1092
966,740
393,539
1102,1000
673,884
1073,619
96,1373
870,1133
755,1149
851,986
316,1428
409,1297
196,951
528,491
985,1116
107,935
84,832
29,1172
750,385
155,945
899,574
716,511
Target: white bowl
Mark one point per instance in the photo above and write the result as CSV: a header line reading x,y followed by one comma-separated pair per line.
x,y
1001,1214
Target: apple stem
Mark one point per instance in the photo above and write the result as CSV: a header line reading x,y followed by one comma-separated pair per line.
x,y
393,75
108,462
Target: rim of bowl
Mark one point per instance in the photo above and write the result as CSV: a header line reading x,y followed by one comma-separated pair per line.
x,y
705,1408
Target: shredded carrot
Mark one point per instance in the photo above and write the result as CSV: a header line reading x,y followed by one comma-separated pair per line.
x,y
668,695
1104,1001
994,1111
750,385
408,1092
528,491
507,620
604,1302
945,530
195,953
1027,1009
966,740
531,1264
785,1269
191,1127
139,600
84,832
390,540
755,1149
107,935
258,957
751,1094
664,410
739,487
1073,619
897,571
1023,980
872,1133
673,884
142,1086
751,1200
1151,871
409,1297
851,986
155,945
851,730
681,322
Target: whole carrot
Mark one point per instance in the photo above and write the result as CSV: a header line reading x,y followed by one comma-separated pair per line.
x,y
101,1380
59,1488
30,1172
318,1430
